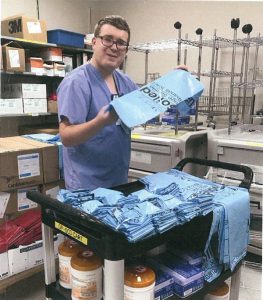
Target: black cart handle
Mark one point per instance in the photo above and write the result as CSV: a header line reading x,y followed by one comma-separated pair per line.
x,y
248,173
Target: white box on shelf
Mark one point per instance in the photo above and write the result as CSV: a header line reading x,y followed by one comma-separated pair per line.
x,y
4,268
11,106
35,254
33,90
18,260
27,257
24,90
35,105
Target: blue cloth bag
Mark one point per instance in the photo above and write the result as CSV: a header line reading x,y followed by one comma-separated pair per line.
x,y
177,88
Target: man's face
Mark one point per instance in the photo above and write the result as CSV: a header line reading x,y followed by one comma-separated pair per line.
x,y
109,57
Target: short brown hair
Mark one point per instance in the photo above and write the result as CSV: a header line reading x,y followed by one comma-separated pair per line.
x,y
116,21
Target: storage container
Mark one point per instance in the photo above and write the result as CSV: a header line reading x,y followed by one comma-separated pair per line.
x,y
86,271
66,38
139,282
66,250
220,293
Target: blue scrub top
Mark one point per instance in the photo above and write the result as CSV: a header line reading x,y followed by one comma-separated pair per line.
x,y
103,160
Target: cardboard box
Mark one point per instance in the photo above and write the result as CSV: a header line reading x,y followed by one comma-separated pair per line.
x,y
49,155
187,278
52,106
20,164
59,70
27,257
24,90
48,69
4,267
24,28
16,201
13,59
51,54
11,106
35,65
34,105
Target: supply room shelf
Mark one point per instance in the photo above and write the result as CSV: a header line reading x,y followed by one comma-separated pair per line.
x,y
34,44
27,74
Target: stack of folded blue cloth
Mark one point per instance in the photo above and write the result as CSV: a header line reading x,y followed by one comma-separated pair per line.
x,y
173,198
170,198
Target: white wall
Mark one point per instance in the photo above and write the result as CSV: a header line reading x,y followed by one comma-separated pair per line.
x,y
152,20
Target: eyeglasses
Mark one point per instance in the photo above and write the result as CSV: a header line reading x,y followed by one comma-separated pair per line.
x,y
108,41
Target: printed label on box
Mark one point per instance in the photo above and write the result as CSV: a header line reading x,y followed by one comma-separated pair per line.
x,y
35,105
4,198
14,58
28,165
34,27
23,203
31,90
11,106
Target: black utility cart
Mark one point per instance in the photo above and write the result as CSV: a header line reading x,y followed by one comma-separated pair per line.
x,y
113,246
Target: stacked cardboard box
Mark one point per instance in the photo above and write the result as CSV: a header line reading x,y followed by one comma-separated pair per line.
x,y
34,96
25,164
13,58
25,28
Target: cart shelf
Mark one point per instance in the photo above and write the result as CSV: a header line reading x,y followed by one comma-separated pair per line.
x,y
113,245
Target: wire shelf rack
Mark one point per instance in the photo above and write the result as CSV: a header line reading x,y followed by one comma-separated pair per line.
x,y
219,104
172,44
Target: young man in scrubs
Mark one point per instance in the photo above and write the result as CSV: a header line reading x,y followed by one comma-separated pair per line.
x,y
96,149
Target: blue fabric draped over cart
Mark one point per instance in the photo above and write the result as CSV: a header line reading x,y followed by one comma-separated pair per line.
x,y
169,199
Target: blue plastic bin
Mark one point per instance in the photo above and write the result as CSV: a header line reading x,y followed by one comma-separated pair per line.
x,y
66,38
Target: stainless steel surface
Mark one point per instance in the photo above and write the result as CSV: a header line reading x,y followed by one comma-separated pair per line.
x,y
158,149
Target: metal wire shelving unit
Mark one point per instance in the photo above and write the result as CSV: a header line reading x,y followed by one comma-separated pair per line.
x,y
238,100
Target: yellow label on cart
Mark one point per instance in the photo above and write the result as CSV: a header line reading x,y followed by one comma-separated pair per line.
x,y
75,235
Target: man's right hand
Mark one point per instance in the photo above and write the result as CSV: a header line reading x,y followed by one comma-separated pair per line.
x,y
107,116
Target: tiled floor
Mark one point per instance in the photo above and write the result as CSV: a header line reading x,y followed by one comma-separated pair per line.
x,y
251,284
33,287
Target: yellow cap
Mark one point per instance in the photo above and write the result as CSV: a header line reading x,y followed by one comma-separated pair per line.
x,y
222,290
138,276
86,261
69,248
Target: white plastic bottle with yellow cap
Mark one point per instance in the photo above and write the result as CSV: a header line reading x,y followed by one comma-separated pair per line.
x,y
86,271
66,250
139,282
